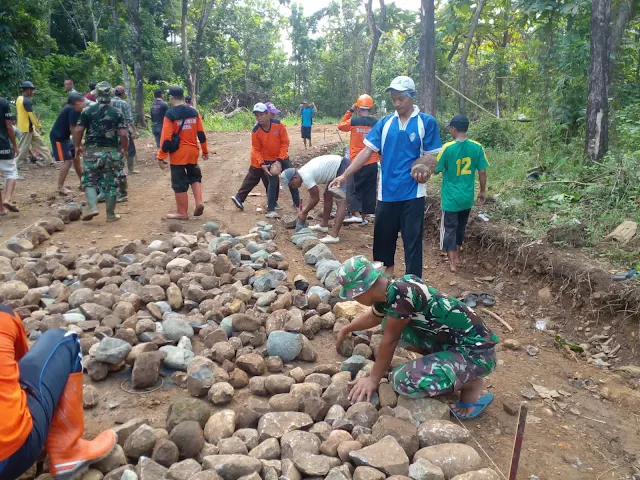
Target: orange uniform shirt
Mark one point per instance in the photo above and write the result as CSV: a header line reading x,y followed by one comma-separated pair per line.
x,y
359,127
190,135
269,144
16,423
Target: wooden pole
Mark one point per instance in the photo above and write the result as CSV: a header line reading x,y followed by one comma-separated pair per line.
x,y
517,444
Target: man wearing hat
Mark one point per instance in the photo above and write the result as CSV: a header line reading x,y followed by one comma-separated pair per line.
x,y
269,156
181,140
361,192
106,139
118,101
457,346
272,110
458,163
401,139
158,110
29,125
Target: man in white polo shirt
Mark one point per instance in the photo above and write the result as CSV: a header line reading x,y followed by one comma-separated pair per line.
x,y
321,171
401,138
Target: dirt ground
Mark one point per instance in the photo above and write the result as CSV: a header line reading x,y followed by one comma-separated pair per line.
x,y
591,431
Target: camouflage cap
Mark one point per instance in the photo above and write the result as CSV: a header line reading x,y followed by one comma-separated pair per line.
x,y
103,92
357,275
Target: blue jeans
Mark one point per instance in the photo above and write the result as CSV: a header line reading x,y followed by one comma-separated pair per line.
x,y
44,371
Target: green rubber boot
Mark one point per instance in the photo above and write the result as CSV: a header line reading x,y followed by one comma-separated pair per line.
x,y
111,210
123,187
92,203
131,161
101,197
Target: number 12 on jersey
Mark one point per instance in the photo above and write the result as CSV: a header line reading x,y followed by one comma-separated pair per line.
x,y
464,166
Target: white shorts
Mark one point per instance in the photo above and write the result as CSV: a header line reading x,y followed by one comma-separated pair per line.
x,y
8,169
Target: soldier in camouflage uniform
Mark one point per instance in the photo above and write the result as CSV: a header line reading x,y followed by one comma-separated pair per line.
x,y
106,137
458,347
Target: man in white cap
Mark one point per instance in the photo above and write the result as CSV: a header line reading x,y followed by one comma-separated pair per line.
x,y
401,138
269,156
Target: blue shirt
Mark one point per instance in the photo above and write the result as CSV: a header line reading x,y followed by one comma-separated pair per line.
x,y
400,146
307,116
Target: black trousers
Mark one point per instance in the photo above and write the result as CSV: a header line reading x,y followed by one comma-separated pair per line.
x,y
361,189
406,218
271,184
453,226
184,175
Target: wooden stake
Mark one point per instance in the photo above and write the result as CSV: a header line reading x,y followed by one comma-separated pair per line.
x,y
497,317
517,444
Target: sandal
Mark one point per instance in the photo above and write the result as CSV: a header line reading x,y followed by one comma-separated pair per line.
x,y
480,406
11,207
470,300
487,299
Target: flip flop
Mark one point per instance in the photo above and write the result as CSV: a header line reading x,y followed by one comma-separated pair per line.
x,y
480,406
487,299
11,207
199,210
470,300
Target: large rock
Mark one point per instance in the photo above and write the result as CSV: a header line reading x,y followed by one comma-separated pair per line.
x,y
220,425
232,467
147,369
348,309
267,450
353,364
80,296
189,438
147,469
278,384
252,363
165,452
482,474
314,465
242,322
112,351
423,409
184,470
337,394
364,414
140,443
269,280
187,409
299,441
114,460
405,433
285,345
435,432
174,326
19,245
325,267
276,424
95,311
177,358
453,458
202,373
386,455
318,253
125,430
368,473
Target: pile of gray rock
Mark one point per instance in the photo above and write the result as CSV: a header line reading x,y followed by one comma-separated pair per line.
x,y
218,314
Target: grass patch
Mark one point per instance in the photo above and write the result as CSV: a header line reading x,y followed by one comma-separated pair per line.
x,y
246,121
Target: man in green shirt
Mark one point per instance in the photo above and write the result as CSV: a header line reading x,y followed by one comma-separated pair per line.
x,y
458,162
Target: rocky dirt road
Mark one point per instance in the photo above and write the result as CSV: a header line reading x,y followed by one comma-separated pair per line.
x,y
588,425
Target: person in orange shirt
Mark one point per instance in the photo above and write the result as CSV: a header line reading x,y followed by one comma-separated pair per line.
x,y
184,123
269,157
41,403
361,189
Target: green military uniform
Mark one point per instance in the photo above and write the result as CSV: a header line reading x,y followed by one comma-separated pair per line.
x,y
458,344
102,159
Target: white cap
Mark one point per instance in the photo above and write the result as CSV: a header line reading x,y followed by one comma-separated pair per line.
x,y
402,84
259,107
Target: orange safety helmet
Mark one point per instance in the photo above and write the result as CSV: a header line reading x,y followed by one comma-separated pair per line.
x,y
364,101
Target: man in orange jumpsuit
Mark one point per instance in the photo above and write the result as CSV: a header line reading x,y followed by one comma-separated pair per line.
x,y
41,403
182,129
361,188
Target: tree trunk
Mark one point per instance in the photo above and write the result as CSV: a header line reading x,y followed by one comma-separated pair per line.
x,y
503,49
94,22
188,80
136,34
624,13
427,58
123,64
375,31
193,84
462,78
597,125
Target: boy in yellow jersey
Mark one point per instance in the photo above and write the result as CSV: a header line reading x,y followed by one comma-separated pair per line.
x,y
458,163
29,124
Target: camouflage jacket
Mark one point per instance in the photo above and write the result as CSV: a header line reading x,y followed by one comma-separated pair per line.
x,y
101,122
435,319
124,108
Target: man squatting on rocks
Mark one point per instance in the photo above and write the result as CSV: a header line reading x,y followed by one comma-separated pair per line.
x,y
361,187
318,171
9,151
269,156
41,403
182,129
457,346
103,163
402,138
61,146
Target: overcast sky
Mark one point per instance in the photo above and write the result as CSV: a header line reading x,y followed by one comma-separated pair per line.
x,y
311,6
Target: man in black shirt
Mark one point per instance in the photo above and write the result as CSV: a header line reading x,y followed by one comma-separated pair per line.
x,y
61,145
158,110
8,151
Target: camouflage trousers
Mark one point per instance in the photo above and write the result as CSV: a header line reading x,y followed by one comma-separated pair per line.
x,y
103,170
442,372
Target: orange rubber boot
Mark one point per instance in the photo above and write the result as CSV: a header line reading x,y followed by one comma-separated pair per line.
x,y
196,188
69,454
182,205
